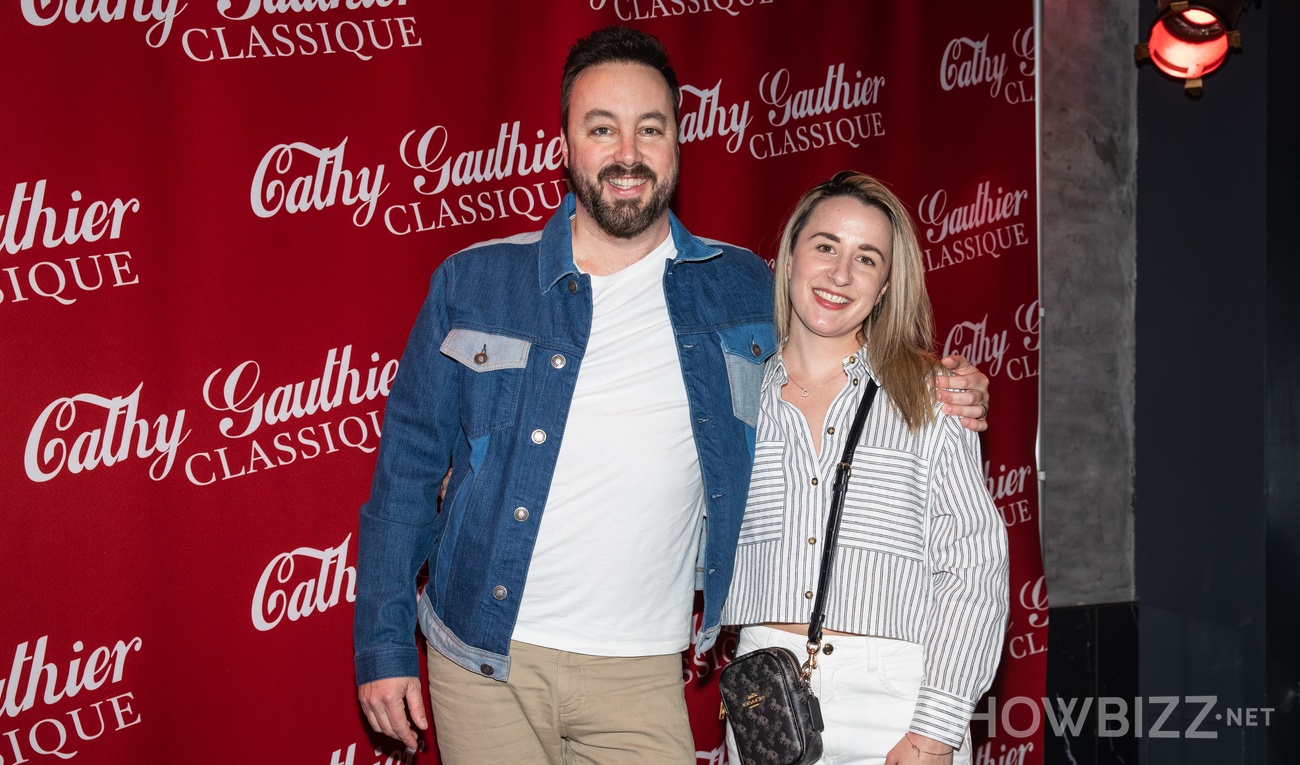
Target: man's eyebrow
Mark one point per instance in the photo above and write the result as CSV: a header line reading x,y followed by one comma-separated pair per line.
x,y
605,114
597,114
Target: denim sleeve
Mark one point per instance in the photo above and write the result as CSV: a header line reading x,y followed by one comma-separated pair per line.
x,y
397,524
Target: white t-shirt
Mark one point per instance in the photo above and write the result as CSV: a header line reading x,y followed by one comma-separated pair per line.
x,y
613,571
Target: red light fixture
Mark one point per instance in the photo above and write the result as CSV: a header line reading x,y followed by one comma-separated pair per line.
x,y
1191,38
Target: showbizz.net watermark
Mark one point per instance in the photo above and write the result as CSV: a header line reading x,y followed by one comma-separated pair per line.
x,y
1191,717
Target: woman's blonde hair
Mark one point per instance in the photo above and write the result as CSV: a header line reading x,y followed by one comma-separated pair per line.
x,y
899,330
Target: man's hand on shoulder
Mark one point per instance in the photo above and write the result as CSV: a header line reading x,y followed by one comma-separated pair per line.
x,y
964,394
387,703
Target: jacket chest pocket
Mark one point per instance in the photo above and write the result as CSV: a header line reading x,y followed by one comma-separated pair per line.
x,y
884,507
744,349
492,370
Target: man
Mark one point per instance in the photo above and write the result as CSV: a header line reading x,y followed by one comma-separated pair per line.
x,y
595,386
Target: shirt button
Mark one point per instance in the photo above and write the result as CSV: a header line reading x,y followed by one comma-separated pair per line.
x,y
521,513
573,287
757,351
830,430
855,381
814,482
539,436
486,669
557,361
812,540
499,592
480,358
808,595
853,359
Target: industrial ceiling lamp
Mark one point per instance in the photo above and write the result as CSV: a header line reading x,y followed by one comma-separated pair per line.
x,y
1190,38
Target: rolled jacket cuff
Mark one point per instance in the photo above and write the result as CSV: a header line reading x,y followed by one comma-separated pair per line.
x,y
942,716
704,639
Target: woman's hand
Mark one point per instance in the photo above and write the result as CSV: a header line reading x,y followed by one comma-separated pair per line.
x,y
965,394
915,749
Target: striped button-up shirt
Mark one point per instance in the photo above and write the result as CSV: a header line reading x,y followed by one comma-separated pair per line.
x,y
922,549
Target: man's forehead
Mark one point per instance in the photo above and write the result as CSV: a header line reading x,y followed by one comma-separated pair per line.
x,y
617,88
633,76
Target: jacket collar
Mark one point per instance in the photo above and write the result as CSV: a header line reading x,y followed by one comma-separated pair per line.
x,y
555,256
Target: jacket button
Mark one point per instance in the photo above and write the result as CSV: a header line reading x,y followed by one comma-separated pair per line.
x,y
480,358
756,350
521,513
486,669
539,436
573,287
557,361
499,592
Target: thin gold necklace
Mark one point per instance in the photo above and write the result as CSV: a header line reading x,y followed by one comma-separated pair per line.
x,y
805,391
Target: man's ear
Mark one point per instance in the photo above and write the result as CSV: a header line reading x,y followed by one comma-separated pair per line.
x,y
564,147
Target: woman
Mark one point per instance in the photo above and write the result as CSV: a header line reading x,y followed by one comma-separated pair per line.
x,y
918,595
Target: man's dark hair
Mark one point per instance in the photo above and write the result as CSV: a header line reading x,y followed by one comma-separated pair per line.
x,y
615,44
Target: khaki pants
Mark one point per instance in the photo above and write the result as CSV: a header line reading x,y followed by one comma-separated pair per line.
x,y
564,709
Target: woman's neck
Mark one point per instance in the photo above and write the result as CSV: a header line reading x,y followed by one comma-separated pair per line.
x,y
812,354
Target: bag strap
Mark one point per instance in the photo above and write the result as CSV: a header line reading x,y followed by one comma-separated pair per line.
x,y
842,472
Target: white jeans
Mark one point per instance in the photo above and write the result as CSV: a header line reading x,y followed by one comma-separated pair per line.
x,y
867,687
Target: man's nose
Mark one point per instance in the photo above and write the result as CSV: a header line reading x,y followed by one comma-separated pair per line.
x,y
629,151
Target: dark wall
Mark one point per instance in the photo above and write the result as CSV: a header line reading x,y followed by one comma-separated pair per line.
x,y
1282,387
1206,301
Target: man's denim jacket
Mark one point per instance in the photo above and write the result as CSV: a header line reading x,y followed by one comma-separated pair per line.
x,y
485,385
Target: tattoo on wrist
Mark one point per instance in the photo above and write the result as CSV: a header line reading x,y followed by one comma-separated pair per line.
x,y
919,750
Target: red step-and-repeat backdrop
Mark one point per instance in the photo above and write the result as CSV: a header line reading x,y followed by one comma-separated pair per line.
x,y
217,222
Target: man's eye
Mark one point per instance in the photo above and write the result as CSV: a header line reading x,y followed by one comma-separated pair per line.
x,y
601,131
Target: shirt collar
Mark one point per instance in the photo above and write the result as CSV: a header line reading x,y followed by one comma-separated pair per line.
x,y
856,366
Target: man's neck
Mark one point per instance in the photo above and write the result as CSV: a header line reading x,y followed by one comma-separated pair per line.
x,y
597,252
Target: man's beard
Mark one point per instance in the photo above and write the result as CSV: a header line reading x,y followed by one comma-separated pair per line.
x,y
625,218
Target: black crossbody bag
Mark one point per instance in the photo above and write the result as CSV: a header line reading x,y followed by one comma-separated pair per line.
x,y
775,718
